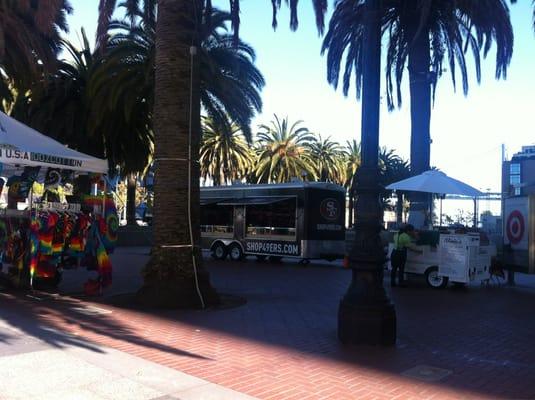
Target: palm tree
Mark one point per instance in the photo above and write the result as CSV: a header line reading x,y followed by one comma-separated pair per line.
x,y
148,7
64,106
225,155
328,155
30,42
284,152
422,35
60,106
230,82
172,277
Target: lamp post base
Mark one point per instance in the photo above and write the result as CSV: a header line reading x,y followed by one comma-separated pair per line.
x,y
373,324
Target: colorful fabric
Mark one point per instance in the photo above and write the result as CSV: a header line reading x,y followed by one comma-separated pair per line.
x,y
97,179
67,176
19,186
58,240
51,237
35,243
28,178
52,178
103,262
48,223
109,239
78,238
46,267
110,227
14,191
107,229
96,201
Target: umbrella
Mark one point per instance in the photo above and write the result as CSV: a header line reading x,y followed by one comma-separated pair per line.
x,y
436,182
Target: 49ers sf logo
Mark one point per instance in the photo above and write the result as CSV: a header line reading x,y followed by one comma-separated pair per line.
x,y
330,209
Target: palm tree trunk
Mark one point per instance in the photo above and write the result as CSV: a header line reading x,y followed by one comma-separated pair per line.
x,y
170,276
399,209
131,187
420,92
350,210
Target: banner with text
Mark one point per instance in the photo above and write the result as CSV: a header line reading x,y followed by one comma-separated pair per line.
x,y
272,247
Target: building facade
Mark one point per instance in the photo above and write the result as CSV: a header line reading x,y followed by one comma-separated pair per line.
x,y
518,174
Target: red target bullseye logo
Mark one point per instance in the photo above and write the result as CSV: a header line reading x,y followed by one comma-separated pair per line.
x,y
515,227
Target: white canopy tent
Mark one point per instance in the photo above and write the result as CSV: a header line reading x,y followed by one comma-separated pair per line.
x,y
439,183
22,146
435,182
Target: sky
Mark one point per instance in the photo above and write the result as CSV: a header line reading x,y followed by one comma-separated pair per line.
x,y
467,132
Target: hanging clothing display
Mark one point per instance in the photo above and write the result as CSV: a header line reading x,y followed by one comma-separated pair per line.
x,y
38,241
52,240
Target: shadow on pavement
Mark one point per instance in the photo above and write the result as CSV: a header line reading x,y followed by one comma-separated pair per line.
x,y
482,336
48,318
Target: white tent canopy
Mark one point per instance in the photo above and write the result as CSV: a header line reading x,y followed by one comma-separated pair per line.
x,y
22,146
435,182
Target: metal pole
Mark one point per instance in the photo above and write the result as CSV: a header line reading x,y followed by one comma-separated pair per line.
x,y
30,216
441,210
365,314
104,197
431,211
475,212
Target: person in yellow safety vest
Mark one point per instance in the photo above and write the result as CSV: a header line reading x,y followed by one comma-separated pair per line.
x,y
398,257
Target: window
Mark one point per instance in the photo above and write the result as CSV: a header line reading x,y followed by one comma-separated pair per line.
x,y
276,220
217,220
515,178
514,169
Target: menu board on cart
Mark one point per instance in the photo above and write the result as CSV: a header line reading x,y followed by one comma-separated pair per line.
x,y
455,256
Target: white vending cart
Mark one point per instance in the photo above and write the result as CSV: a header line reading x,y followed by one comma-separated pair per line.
x,y
457,258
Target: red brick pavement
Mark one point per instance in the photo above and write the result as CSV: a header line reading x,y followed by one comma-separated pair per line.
x,y
282,343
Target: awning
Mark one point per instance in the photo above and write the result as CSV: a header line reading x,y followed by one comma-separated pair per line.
x,y
253,201
22,146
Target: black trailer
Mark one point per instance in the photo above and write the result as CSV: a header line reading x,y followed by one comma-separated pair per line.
x,y
303,220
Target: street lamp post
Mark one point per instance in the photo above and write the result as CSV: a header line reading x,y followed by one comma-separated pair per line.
x,y
365,314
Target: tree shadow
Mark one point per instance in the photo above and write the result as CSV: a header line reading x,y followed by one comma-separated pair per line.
x,y
49,318
477,334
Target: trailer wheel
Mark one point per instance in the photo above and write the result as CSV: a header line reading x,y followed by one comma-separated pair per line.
x,y
235,252
219,251
434,280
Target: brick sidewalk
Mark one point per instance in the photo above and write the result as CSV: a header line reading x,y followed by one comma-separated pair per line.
x,y
282,344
